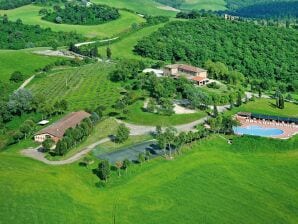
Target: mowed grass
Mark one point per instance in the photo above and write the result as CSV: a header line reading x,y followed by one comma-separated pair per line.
x,y
124,47
23,61
204,4
138,116
267,106
147,7
83,87
213,182
29,15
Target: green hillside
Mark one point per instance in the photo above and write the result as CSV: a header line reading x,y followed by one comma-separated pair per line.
x,y
148,7
29,15
204,4
215,182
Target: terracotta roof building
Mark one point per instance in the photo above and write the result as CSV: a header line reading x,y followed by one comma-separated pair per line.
x,y
57,129
195,74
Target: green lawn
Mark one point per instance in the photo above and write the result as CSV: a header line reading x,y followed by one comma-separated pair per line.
x,y
204,4
138,116
124,47
149,7
87,86
267,106
29,15
212,183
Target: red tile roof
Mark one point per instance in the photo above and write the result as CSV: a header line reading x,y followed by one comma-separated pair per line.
x,y
58,128
198,79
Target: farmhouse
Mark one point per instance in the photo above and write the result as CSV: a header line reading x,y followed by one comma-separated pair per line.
x,y
57,130
198,75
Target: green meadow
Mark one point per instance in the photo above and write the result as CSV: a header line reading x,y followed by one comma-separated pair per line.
x,y
254,180
29,15
23,61
146,7
124,47
267,106
204,4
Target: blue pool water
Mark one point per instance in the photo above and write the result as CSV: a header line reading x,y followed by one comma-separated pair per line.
x,y
257,131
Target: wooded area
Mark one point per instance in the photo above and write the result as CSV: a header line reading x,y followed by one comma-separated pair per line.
x,y
253,50
16,35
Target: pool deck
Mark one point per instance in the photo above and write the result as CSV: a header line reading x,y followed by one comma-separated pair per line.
x,y
289,130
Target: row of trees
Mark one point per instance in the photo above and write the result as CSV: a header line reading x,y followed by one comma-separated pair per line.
x,y
16,35
73,136
90,50
74,13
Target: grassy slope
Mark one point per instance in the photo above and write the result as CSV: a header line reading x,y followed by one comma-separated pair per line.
x,y
204,4
22,61
124,47
267,106
214,184
149,7
29,15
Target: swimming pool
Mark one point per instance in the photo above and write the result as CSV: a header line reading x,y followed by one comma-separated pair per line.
x,y
257,131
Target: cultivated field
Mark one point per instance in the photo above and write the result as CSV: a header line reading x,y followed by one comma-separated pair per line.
x,y
29,15
83,87
250,181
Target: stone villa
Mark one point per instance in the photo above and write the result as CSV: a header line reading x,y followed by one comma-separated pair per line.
x,y
197,75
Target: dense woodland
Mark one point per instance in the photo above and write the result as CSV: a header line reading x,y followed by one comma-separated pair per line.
x,y
11,4
253,50
269,10
16,35
236,4
78,14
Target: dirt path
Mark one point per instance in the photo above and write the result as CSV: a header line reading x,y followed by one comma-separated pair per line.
x,y
26,82
96,41
36,154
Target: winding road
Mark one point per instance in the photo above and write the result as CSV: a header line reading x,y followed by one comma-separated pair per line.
x,y
134,130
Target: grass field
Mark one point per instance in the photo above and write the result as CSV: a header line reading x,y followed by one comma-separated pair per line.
x,y
148,7
138,116
29,15
124,47
204,4
22,61
267,106
87,86
215,182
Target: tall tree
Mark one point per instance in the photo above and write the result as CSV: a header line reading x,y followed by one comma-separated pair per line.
x,y
122,133
103,170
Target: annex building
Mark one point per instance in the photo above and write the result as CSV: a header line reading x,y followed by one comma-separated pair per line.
x,y
57,129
